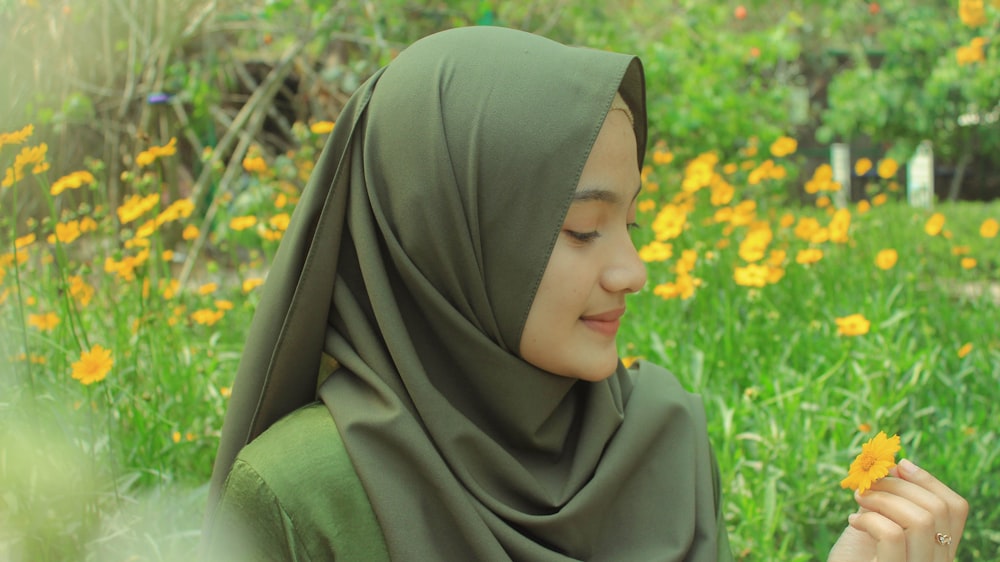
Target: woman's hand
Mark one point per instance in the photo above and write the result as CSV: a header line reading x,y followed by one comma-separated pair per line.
x,y
909,516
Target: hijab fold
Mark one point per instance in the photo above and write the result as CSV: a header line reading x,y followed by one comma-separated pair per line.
x,y
412,260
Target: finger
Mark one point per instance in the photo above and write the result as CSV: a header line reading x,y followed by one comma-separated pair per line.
x,y
890,538
917,525
958,507
922,497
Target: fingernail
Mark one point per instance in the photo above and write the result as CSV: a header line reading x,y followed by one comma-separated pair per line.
x,y
852,518
907,468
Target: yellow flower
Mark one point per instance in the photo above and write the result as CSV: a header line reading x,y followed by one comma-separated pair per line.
x,y
93,365
148,156
644,206
784,146
44,322
655,251
972,12
252,283
661,155
207,317
877,456
968,54
80,290
208,288
853,325
88,224
864,206
723,214
171,288
964,350
880,199
669,223
934,224
180,209
29,155
322,127
629,360
136,206
699,172
840,225
862,166
71,181
255,164
886,259
809,256
960,250
270,235
969,263
67,232
761,172
687,261
775,274
806,228
17,137
242,223
989,229
280,221
668,291
887,168
821,180
823,201
24,241
223,304
752,275
190,232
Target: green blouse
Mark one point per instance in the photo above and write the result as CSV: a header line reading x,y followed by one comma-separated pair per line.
x,y
294,495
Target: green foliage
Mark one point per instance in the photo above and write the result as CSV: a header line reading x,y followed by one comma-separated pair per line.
x,y
916,88
117,468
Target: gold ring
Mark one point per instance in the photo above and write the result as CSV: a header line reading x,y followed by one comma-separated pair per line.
x,y
943,539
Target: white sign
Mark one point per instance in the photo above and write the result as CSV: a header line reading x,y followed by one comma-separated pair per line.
x,y
840,161
920,176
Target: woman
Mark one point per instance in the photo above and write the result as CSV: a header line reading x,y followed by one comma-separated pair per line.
x,y
449,292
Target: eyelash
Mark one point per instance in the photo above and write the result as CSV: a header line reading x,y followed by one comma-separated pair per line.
x,y
593,235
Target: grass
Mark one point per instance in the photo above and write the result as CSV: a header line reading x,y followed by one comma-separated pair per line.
x,y
117,469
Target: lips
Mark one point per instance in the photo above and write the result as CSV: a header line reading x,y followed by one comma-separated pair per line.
x,y
605,323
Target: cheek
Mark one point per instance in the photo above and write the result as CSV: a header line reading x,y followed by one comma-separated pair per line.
x,y
564,286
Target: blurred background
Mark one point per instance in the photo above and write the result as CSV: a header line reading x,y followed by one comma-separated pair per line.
x,y
152,151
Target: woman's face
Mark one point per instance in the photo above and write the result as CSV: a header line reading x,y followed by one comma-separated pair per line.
x,y
572,323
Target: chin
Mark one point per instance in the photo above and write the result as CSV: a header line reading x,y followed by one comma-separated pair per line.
x,y
592,374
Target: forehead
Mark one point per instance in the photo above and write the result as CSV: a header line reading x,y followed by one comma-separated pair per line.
x,y
611,173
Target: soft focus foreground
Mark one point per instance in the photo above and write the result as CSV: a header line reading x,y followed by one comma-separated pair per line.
x,y
127,281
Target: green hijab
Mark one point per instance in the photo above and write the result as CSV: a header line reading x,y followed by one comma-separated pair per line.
x,y
412,259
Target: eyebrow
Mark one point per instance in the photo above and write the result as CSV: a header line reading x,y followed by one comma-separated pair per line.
x,y
602,195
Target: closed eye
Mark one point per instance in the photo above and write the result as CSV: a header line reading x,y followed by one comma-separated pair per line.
x,y
583,236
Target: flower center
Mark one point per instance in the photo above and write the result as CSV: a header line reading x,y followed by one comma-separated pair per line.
x,y
867,461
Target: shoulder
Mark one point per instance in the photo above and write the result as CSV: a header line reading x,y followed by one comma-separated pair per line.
x,y
301,444
299,472
659,383
302,461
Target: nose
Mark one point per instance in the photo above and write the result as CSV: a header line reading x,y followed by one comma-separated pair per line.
x,y
626,272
